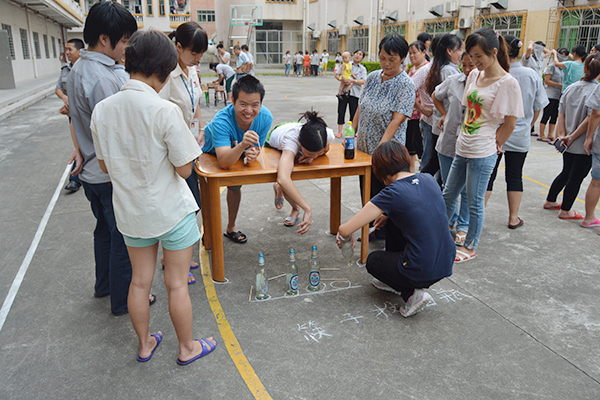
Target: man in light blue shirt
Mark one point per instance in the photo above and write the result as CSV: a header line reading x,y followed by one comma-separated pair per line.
x,y
92,79
236,131
242,64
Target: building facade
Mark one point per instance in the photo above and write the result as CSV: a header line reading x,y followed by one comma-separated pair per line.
x,y
36,31
338,25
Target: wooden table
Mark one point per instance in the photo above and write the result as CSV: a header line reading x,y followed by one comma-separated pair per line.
x,y
332,165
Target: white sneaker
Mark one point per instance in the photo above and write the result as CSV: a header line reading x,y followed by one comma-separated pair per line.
x,y
415,303
382,286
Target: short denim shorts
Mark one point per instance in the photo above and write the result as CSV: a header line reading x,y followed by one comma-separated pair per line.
x,y
596,166
181,237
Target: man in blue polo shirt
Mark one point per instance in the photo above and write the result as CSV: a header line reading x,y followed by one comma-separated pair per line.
x,y
236,131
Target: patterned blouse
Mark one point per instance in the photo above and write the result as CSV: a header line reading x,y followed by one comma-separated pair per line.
x,y
378,101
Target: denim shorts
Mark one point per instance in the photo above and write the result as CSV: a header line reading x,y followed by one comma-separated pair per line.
x,y
181,237
596,166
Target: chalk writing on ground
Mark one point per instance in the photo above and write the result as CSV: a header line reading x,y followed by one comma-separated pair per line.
x,y
350,318
312,331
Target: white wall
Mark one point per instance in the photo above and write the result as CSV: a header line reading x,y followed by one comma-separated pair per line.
x,y
33,67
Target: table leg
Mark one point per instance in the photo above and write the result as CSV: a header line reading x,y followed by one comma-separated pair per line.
x,y
218,263
335,205
205,198
364,237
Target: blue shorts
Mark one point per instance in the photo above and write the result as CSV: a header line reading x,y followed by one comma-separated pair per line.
x,y
181,237
596,166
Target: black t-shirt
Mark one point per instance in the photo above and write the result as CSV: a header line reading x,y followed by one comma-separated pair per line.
x,y
416,207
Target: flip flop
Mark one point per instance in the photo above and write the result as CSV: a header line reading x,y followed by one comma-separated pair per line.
x,y
459,259
520,224
460,243
576,216
554,208
158,338
542,139
236,237
591,224
290,221
207,348
191,282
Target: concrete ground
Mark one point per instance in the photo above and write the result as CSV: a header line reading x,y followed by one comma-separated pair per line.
x,y
520,321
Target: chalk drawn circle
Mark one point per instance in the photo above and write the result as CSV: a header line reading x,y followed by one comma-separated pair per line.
x,y
332,284
260,300
321,289
221,283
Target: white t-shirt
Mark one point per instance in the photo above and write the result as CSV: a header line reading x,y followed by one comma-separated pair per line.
x,y
285,137
225,69
226,57
486,109
142,138
287,58
179,90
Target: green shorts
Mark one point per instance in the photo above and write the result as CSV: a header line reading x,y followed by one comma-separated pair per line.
x,y
228,83
181,237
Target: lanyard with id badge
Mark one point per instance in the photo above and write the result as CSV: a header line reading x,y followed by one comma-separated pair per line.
x,y
194,122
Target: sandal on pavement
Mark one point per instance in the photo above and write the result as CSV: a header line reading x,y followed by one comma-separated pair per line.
x,y
207,348
463,257
575,216
237,237
520,224
190,275
591,224
554,207
158,338
290,221
459,240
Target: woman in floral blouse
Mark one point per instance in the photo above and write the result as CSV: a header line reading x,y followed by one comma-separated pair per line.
x,y
387,100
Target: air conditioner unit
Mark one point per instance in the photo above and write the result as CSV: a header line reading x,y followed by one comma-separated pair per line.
x,y
482,4
316,34
382,15
465,23
451,6
500,4
344,29
438,10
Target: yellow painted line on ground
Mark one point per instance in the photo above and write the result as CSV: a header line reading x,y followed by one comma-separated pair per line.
x,y
230,341
548,187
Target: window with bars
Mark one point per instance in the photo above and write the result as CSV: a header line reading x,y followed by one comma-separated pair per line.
x,y
359,40
395,29
206,15
436,28
53,46
36,45
579,27
11,45
149,8
505,25
161,8
46,46
312,45
24,44
333,42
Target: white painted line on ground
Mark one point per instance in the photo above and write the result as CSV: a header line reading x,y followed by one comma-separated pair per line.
x,y
14,288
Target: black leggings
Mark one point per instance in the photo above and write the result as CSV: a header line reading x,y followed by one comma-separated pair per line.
x,y
383,265
343,103
513,173
433,165
575,169
414,140
550,112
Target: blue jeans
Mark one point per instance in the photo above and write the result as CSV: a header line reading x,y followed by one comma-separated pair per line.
x,y
474,174
113,268
287,69
460,217
427,143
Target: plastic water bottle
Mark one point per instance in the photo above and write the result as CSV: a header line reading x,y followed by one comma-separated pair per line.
x,y
349,137
291,278
314,266
347,250
262,285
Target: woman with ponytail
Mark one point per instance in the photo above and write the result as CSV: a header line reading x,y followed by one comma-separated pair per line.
x,y
445,63
493,100
299,142
516,147
571,128
183,89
